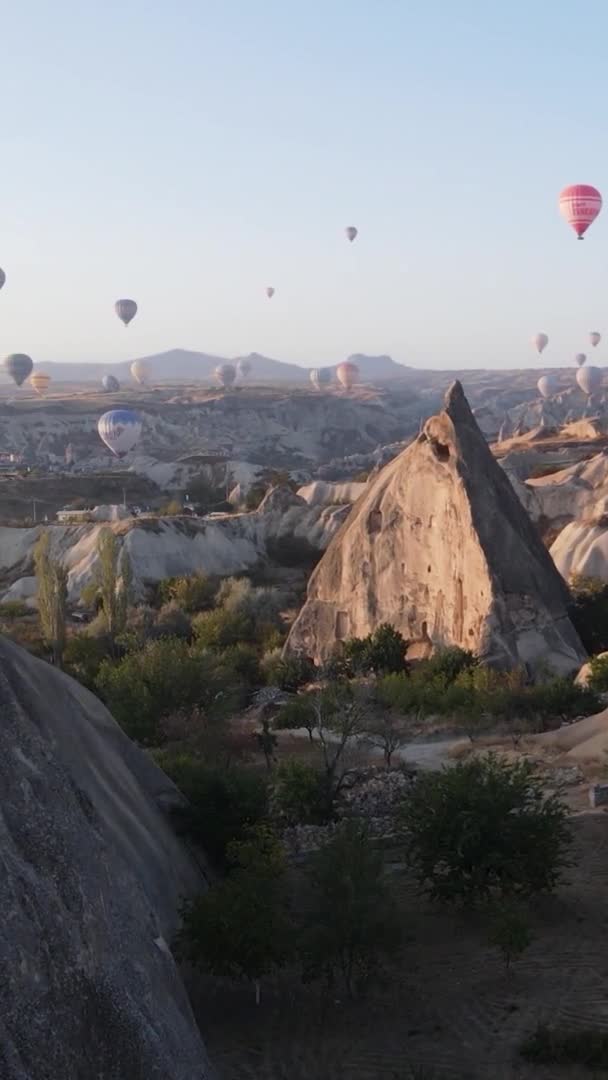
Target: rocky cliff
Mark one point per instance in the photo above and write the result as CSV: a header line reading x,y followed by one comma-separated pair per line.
x,y
91,880
441,547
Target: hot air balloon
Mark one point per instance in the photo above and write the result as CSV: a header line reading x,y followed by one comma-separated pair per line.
x,y
19,366
540,342
270,292
40,382
140,371
351,232
243,368
595,337
225,374
347,373
110,383
580,359
320,377
589,379
547,386
580,204
120,430
126,310
2,278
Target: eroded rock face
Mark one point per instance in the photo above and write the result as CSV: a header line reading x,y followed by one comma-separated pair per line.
x,y
441,548
90,883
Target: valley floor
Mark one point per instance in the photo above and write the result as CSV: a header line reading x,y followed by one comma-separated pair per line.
x,y
449,1011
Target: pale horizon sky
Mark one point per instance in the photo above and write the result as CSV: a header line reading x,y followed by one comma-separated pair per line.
x,y
189,154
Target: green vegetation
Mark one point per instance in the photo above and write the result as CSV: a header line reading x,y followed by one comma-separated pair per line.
x,y
598,677
589,612
13,609
190,594
382,652
510,934
352,920
551,1046
241,927
52,594
485,829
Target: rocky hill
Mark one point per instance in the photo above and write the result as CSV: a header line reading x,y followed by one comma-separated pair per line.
x,y
441,547
92,877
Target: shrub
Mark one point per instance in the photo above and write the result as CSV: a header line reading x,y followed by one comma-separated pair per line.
x,y
171,621
297,714
383,651
449,663
589,612
550,1046
146,686
352,921
223,803
299,794
193,593
83,657
598,676
14,609
484,829
510,934
241,927
218,629
289,673
243,660
172,509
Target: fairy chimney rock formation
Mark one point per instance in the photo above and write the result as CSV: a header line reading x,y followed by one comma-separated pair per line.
x,y
441,548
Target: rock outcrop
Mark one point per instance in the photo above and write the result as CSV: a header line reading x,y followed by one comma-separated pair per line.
x,y
441,548
92,877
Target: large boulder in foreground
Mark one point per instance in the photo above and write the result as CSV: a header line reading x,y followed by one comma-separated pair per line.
x,y
90,884
441,548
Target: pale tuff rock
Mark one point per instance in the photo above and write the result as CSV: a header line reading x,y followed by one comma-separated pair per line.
x,y
92,879
441,548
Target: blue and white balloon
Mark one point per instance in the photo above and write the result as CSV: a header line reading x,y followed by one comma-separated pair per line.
x,y
120,429
320,377
225,374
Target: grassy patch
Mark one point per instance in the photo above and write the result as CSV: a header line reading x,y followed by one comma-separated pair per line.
x,y
550,1046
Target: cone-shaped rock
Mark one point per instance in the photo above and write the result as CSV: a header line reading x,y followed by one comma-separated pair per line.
x,y
441,548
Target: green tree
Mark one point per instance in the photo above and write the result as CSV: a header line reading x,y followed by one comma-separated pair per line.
x,y
589,612
485,829
241,927
598,676
223,804
352,920
288,673
297,714
115,582
387,733
83,657
193,593
52,595
218,629
299,795
147,685
510,934
383,651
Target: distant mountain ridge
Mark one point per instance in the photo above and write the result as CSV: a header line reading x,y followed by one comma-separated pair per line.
x,y
187,364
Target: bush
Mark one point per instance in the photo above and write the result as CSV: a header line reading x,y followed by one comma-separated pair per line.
x,y
223,804
83,657
549,1046
242,660
145,686
449,663
598,676
14,609
383,651
484,829
171,621
510,934
299,794
172,509
589,612
289,673
218,629
191,594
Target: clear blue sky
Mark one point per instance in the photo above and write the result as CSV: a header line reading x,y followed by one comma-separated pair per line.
x,y
187,154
